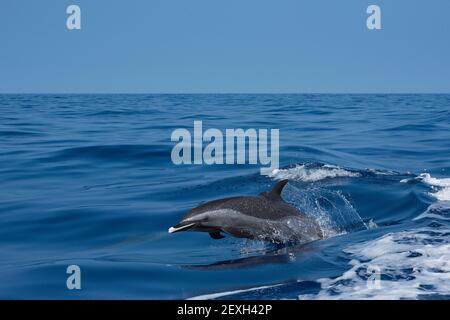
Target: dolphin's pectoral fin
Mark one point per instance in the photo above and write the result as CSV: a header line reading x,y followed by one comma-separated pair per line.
x,y
216,235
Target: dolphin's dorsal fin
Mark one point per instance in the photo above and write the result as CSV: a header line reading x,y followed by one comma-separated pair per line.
x,y
276,190
275,193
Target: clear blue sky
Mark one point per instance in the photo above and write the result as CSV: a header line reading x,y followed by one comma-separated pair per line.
x,y
152,46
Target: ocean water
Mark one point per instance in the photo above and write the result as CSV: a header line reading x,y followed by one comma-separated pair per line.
x,y
88,180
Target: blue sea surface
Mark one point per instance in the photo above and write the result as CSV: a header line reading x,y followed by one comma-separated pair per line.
x,y
88,180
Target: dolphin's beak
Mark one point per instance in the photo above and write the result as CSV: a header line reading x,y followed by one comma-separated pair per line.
x,y
180,227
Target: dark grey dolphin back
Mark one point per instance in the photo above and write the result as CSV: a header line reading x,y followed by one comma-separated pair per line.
x,y
268,205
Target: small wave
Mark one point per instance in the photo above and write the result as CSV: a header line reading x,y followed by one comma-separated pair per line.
x,y
439,211
308,173
17,133
330,208
412,265
111,153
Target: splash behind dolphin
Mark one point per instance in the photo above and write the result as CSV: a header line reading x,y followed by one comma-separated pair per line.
x,y
265,217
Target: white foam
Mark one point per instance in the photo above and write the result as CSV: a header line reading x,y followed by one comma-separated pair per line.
x,y
412,263
227,293
382,172
303,173
427,178
443,194
371,224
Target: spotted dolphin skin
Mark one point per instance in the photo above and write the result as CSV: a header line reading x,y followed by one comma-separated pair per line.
x,y
264,217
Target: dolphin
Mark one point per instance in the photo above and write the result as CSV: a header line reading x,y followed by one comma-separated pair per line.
x,y
264,217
